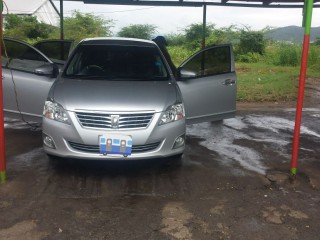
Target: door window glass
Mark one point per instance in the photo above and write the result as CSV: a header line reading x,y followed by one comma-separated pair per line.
x,y
21,57
57,51
212,61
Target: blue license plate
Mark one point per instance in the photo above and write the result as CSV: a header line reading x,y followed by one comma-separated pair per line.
x,y
115,144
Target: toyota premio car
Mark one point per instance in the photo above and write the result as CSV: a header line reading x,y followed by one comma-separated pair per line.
x,y
117,98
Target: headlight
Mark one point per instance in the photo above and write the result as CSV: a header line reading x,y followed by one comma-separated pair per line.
x,y
55,111
173,113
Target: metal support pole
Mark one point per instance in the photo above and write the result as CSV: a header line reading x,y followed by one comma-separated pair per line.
x,y
61,21
55,8
204,23
2,143
303,72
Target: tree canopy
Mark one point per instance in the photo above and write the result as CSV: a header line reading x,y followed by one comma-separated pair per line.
x,y
252,41
85,25
143,31
191,36
26,28
76,27
249,45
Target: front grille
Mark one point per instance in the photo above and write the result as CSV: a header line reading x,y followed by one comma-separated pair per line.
x,y
124,121
95,148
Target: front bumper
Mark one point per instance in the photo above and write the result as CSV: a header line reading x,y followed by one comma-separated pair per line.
x,y
75,141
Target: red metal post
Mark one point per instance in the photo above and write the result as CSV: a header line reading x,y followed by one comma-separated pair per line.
x,y
2,145
302,80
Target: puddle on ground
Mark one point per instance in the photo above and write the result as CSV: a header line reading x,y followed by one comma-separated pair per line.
x,y
221,138
27,159
275,124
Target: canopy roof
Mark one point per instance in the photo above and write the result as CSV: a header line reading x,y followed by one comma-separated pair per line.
x,y
42,9
199,3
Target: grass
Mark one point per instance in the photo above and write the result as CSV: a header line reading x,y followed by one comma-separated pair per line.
x,y
261,82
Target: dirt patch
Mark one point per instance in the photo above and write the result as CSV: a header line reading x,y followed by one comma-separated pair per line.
x,y
27,229
278,215
312,92
175,220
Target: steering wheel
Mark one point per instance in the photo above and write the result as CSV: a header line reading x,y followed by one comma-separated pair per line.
x,y
94,68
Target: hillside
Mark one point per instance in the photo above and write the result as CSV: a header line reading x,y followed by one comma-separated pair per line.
x,y
292,34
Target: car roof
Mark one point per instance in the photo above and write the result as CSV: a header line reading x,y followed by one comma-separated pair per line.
x,y
117,41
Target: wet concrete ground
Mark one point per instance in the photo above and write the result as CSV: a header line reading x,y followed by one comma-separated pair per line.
x,y
232,183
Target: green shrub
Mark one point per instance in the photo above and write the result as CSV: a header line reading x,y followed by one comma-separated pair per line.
x,y
314,57
179,54
287,55
249,57
252,41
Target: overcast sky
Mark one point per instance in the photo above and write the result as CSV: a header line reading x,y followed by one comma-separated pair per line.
x,y
173,19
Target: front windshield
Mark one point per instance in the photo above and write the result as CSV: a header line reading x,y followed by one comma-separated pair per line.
x,y
115,62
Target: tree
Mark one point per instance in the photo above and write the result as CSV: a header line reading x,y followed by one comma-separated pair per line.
x,y
193,34
143,31
252,41
223,35
174,39
26,28
194,31
76,27
85,25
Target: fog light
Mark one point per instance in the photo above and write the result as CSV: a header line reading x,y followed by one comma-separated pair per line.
x,y
179,142
48,141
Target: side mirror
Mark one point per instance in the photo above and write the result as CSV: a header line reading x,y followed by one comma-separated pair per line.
x,y
47,70
185,74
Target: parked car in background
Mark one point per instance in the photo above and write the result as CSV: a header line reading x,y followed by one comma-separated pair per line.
x,y
118,99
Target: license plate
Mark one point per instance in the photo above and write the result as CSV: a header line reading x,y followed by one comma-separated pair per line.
x,y
115,144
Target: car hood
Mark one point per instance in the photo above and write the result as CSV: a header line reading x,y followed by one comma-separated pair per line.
x,y
114,96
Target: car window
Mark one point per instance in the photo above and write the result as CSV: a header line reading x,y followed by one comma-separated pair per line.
x,y
117,62
21,57
210,62
56,50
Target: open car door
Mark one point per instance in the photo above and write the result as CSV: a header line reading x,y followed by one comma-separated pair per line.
x,y
27,75
56,50
208,84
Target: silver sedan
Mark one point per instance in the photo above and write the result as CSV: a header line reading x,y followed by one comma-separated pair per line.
x,y
118,99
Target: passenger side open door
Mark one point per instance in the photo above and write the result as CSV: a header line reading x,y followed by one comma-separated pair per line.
x,y
208,84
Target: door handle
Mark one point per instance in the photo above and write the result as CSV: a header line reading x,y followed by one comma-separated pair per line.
x,y
229,82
